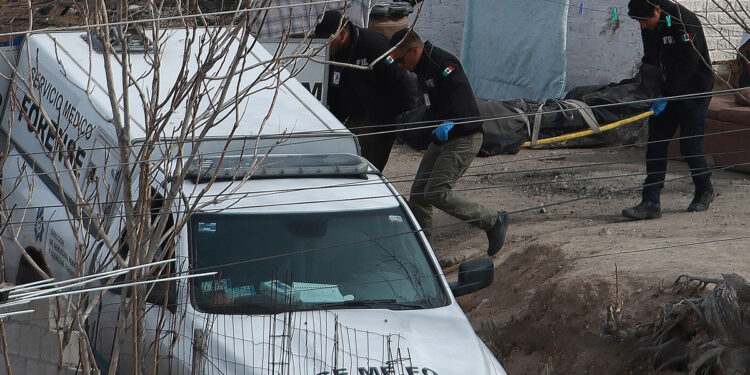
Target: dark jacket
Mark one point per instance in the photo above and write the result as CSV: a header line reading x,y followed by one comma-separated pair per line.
x,y
376,96
447,91
684,70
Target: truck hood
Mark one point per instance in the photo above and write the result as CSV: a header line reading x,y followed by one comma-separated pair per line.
x,y
348,342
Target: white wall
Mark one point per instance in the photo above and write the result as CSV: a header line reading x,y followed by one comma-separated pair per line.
x,y
597,55
599,50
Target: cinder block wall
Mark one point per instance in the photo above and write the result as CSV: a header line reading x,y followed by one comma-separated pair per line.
x,y
715,23
33,343
599,49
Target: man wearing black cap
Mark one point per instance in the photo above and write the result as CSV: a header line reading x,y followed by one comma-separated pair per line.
x,y
673,40
361,98
449,102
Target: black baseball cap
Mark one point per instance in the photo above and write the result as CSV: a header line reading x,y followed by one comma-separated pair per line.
x,y
329,24
642,8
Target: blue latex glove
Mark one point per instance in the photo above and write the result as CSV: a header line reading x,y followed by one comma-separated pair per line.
x,y
658,106
441,132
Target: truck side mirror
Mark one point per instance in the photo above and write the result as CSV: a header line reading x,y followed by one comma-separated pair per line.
x,y
473,275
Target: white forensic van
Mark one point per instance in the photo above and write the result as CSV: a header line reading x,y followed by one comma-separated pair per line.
x,y
321,267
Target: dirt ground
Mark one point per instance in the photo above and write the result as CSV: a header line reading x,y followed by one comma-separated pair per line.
x,y
565,263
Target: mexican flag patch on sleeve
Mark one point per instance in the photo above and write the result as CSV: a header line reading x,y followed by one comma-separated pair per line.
x,y
389,60
687,37
448,71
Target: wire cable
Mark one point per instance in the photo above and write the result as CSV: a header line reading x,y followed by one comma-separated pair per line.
x,y
261,193
577,7
432,125
308,202
557,203
166,18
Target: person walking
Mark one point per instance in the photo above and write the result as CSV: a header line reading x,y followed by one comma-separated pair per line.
x,y
448,97
673,40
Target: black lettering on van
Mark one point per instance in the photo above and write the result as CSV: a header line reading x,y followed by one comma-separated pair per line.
x,y
412,370
67,108
387,370
49,133
30,110
340,371
426,371
316,90
370,371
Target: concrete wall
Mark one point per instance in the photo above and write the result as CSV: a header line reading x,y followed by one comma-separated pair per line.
x,y
599,53
599,49
33,343
442,23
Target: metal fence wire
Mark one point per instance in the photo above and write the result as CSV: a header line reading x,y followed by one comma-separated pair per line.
x,y
292,343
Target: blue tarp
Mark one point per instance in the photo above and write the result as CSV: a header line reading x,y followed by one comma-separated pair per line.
x,y
515,49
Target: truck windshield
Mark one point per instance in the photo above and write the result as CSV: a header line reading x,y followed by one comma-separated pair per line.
x,y
269,263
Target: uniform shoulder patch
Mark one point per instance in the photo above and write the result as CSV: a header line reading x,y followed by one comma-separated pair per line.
x,y
447,71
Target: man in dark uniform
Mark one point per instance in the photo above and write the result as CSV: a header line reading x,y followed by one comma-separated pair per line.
x,y
673,40
362,98
448,97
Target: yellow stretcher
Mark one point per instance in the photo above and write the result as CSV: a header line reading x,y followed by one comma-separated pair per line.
x,y
584,133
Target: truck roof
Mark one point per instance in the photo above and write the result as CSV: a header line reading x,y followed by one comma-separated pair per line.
x,y
295,110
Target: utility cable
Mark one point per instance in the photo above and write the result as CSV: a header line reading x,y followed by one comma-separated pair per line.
x,y
557,203
579,7
262,193
238,196
166,18
342,133
445,275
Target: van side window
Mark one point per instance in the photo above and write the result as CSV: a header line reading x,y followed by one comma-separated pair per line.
x,y
160,292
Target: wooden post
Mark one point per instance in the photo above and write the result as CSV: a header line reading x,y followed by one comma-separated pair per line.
x,y
197,368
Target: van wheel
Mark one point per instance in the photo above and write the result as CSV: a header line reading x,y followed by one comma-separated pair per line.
x,y
26,272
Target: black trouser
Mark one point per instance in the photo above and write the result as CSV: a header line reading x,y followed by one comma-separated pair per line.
x,y
376,148
690,117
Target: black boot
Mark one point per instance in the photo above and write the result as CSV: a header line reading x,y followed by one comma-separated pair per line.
x,y
496,235
702,200
644,210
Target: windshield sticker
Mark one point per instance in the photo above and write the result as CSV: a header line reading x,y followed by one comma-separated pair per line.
x,y
206,227
218,285
396,219
242,291
207,286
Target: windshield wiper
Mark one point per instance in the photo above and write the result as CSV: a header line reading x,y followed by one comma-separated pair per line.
x,y
390,304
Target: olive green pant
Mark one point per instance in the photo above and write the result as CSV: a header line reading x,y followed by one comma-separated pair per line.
x,y
438,172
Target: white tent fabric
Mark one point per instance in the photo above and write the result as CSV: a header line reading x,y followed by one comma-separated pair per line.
x,y
515,49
